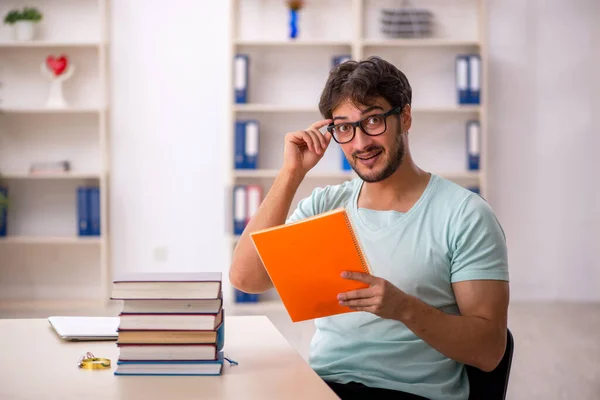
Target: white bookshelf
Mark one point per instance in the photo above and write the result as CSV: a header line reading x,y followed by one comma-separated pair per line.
x,y
45,264
286,77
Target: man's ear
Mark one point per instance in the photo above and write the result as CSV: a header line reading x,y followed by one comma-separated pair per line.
x,y
406,118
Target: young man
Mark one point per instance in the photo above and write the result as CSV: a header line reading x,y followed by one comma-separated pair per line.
x,y
439,293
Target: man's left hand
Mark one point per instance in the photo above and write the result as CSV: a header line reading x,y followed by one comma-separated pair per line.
x,y
380,298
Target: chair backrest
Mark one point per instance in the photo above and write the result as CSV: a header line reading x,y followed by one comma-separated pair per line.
x,y
492,385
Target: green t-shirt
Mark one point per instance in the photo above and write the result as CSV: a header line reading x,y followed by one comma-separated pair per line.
x,y
449,235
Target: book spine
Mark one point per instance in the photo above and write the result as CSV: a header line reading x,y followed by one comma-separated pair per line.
x,y
3,212
241,78
240,133
251,133
94,211
83,217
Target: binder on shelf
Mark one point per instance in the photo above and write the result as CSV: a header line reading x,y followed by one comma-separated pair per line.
x,y
88,211
246,144
473,138
254,195
240,144
240,78
94,210
474,78
345,164
242,297
240,208
337,60
462,79
251,144
3,211
83,212
474,189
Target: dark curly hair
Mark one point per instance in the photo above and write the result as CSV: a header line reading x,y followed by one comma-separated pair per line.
x,y
363,81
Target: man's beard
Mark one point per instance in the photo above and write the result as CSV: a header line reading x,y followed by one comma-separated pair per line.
x,y
394,161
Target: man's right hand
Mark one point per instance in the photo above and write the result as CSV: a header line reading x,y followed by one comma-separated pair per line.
x,y
303,149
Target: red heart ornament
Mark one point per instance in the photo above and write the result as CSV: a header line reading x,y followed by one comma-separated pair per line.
x,y
57,65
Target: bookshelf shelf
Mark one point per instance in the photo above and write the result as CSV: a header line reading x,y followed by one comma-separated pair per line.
x,y
57,176
49,44
293,43
447,109
52,240
272,173
44,110
43,208
285,78
275,108
419,43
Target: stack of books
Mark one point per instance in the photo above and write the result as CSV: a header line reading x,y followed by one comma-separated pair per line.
x,y
170,324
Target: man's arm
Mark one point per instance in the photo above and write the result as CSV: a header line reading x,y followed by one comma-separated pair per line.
x,y
477,337
302,151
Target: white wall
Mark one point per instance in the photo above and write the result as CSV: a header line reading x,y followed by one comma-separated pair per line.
x,y
168,148
544,138
169,104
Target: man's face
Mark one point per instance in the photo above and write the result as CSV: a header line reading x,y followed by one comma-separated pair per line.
x,y
373,158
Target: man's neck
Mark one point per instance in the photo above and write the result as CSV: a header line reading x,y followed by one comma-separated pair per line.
x,y
399,192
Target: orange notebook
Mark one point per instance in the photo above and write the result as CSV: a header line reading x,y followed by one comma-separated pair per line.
x,y
305,259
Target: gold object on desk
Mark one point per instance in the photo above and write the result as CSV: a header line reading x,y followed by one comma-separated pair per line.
x,y
89,361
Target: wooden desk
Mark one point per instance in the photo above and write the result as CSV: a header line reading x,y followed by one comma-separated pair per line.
x,y
36,364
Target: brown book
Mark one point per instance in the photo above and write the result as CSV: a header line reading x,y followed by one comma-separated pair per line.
x,y
167,337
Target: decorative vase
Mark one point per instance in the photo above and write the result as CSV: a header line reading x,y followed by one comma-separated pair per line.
x,y
293,23
24,30
57,70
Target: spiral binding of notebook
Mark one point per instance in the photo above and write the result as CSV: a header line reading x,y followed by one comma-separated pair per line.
x,y
357,244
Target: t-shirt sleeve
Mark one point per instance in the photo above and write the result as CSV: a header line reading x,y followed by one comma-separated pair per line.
x,y
479,248
308,206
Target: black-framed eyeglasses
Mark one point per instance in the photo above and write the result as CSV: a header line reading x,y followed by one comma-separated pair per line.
x,y
372,125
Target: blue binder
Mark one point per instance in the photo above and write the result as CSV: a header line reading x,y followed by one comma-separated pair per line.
x,y
473,139
3,213
94,210
251,139
337,60
345,164
83,212
240,78
240,144
240,208
462,79
242,297
474,79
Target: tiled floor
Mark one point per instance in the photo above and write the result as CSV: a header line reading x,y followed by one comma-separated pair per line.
x,y
557,346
